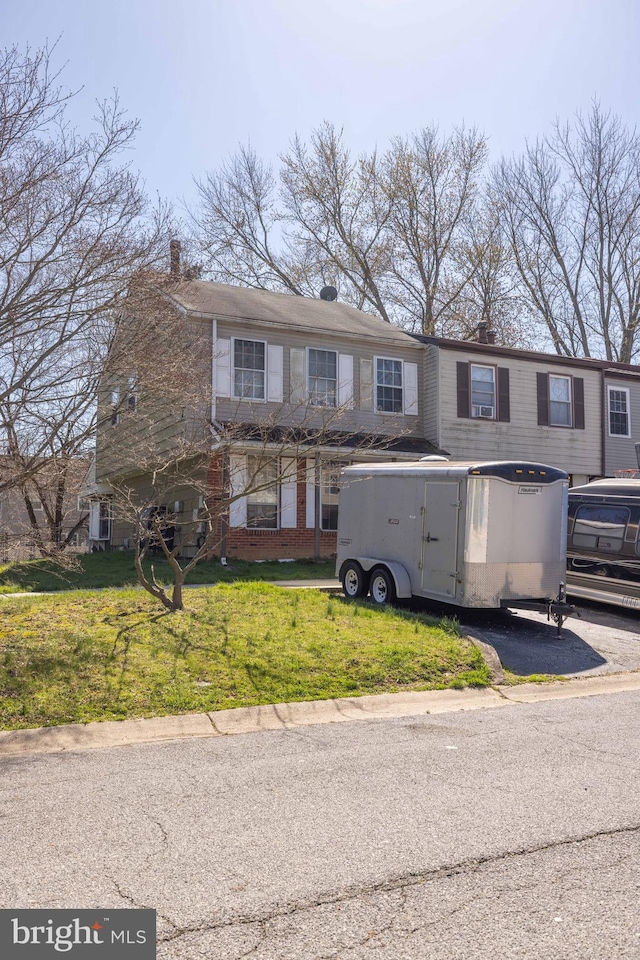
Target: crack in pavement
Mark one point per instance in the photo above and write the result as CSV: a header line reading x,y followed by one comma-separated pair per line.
x,y
399,884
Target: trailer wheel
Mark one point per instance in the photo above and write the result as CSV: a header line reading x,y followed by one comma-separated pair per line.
x,y
382,588
355,581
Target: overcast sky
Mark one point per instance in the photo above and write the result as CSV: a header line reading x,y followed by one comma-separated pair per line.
x,y
205,75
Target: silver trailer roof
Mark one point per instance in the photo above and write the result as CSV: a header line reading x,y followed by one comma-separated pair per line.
x,y
508,469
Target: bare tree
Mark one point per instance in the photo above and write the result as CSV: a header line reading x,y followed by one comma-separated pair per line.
x,y
75,227
571,213
396,232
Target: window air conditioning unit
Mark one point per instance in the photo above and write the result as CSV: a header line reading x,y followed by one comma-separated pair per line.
x,y
478,410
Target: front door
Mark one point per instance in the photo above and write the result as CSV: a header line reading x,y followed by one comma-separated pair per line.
x,y
440,538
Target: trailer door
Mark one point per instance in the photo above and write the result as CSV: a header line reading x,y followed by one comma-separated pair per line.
x,y
440,517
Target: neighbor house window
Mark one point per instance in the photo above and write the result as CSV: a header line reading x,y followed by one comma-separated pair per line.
x,y
389,385
262,503
619,425
248,369
483,391
329,493
560,401
323,378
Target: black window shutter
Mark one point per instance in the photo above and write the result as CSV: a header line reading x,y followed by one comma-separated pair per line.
x,y
504,411
578,403
462,375
543,399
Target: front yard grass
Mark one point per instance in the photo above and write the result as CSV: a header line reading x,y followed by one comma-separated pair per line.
x,y
115,569
115,654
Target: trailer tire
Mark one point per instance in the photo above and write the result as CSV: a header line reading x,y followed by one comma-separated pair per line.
x,y
382,587
355,582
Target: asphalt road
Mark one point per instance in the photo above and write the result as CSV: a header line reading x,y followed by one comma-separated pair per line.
x,y
510,832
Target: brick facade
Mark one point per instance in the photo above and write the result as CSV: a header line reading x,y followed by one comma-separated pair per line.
x,y
244,544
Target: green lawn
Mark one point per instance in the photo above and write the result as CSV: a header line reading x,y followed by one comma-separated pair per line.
x,y
115,569
115,654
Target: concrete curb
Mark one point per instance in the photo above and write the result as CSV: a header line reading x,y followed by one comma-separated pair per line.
x,y
285,716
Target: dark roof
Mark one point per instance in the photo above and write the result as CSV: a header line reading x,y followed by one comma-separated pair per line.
x,y
491,349
349,441
282,309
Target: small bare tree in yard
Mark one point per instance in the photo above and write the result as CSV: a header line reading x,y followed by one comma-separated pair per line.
x,y
75,227
571,214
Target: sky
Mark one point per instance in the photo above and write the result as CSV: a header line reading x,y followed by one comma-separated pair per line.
x,y
204,76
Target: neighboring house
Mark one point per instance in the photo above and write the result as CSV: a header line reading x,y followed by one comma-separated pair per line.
x,y
491,402
19,540
621,427
272,362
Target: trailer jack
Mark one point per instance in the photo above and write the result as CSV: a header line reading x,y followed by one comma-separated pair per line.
x,y
558,610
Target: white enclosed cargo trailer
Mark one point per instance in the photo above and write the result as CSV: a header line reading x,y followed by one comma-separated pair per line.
x,y
473,534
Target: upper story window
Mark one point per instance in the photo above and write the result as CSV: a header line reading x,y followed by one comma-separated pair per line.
x,y
249,369
619,425
132,394
323,377
389,385
483,391
560,414
115,407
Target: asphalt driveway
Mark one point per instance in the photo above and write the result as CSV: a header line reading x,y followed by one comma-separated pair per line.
x,y
601,640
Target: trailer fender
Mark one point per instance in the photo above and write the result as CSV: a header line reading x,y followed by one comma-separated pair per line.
x,y
399,573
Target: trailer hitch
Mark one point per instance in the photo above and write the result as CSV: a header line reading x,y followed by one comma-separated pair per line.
x,y
558,610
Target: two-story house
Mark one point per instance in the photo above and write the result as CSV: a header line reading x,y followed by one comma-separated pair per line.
x,y
345,385
493,402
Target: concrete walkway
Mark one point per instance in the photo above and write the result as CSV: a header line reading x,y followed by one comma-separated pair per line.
x,y
284,716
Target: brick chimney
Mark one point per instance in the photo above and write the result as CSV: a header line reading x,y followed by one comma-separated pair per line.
x,y
174,258
482,333
491,336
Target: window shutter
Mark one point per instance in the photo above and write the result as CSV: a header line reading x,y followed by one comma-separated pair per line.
x,y
578,403
366,384
288,493
345,380
222,366
504,409
311,493
297,390
238,482
410,378
275,356
462,384
543,399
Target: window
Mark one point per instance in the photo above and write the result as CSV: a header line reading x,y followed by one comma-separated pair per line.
x,y
115,407
132,394
329,492
600,527
483,391
389,385
323,377
248,369
560,401
262,503
619,425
